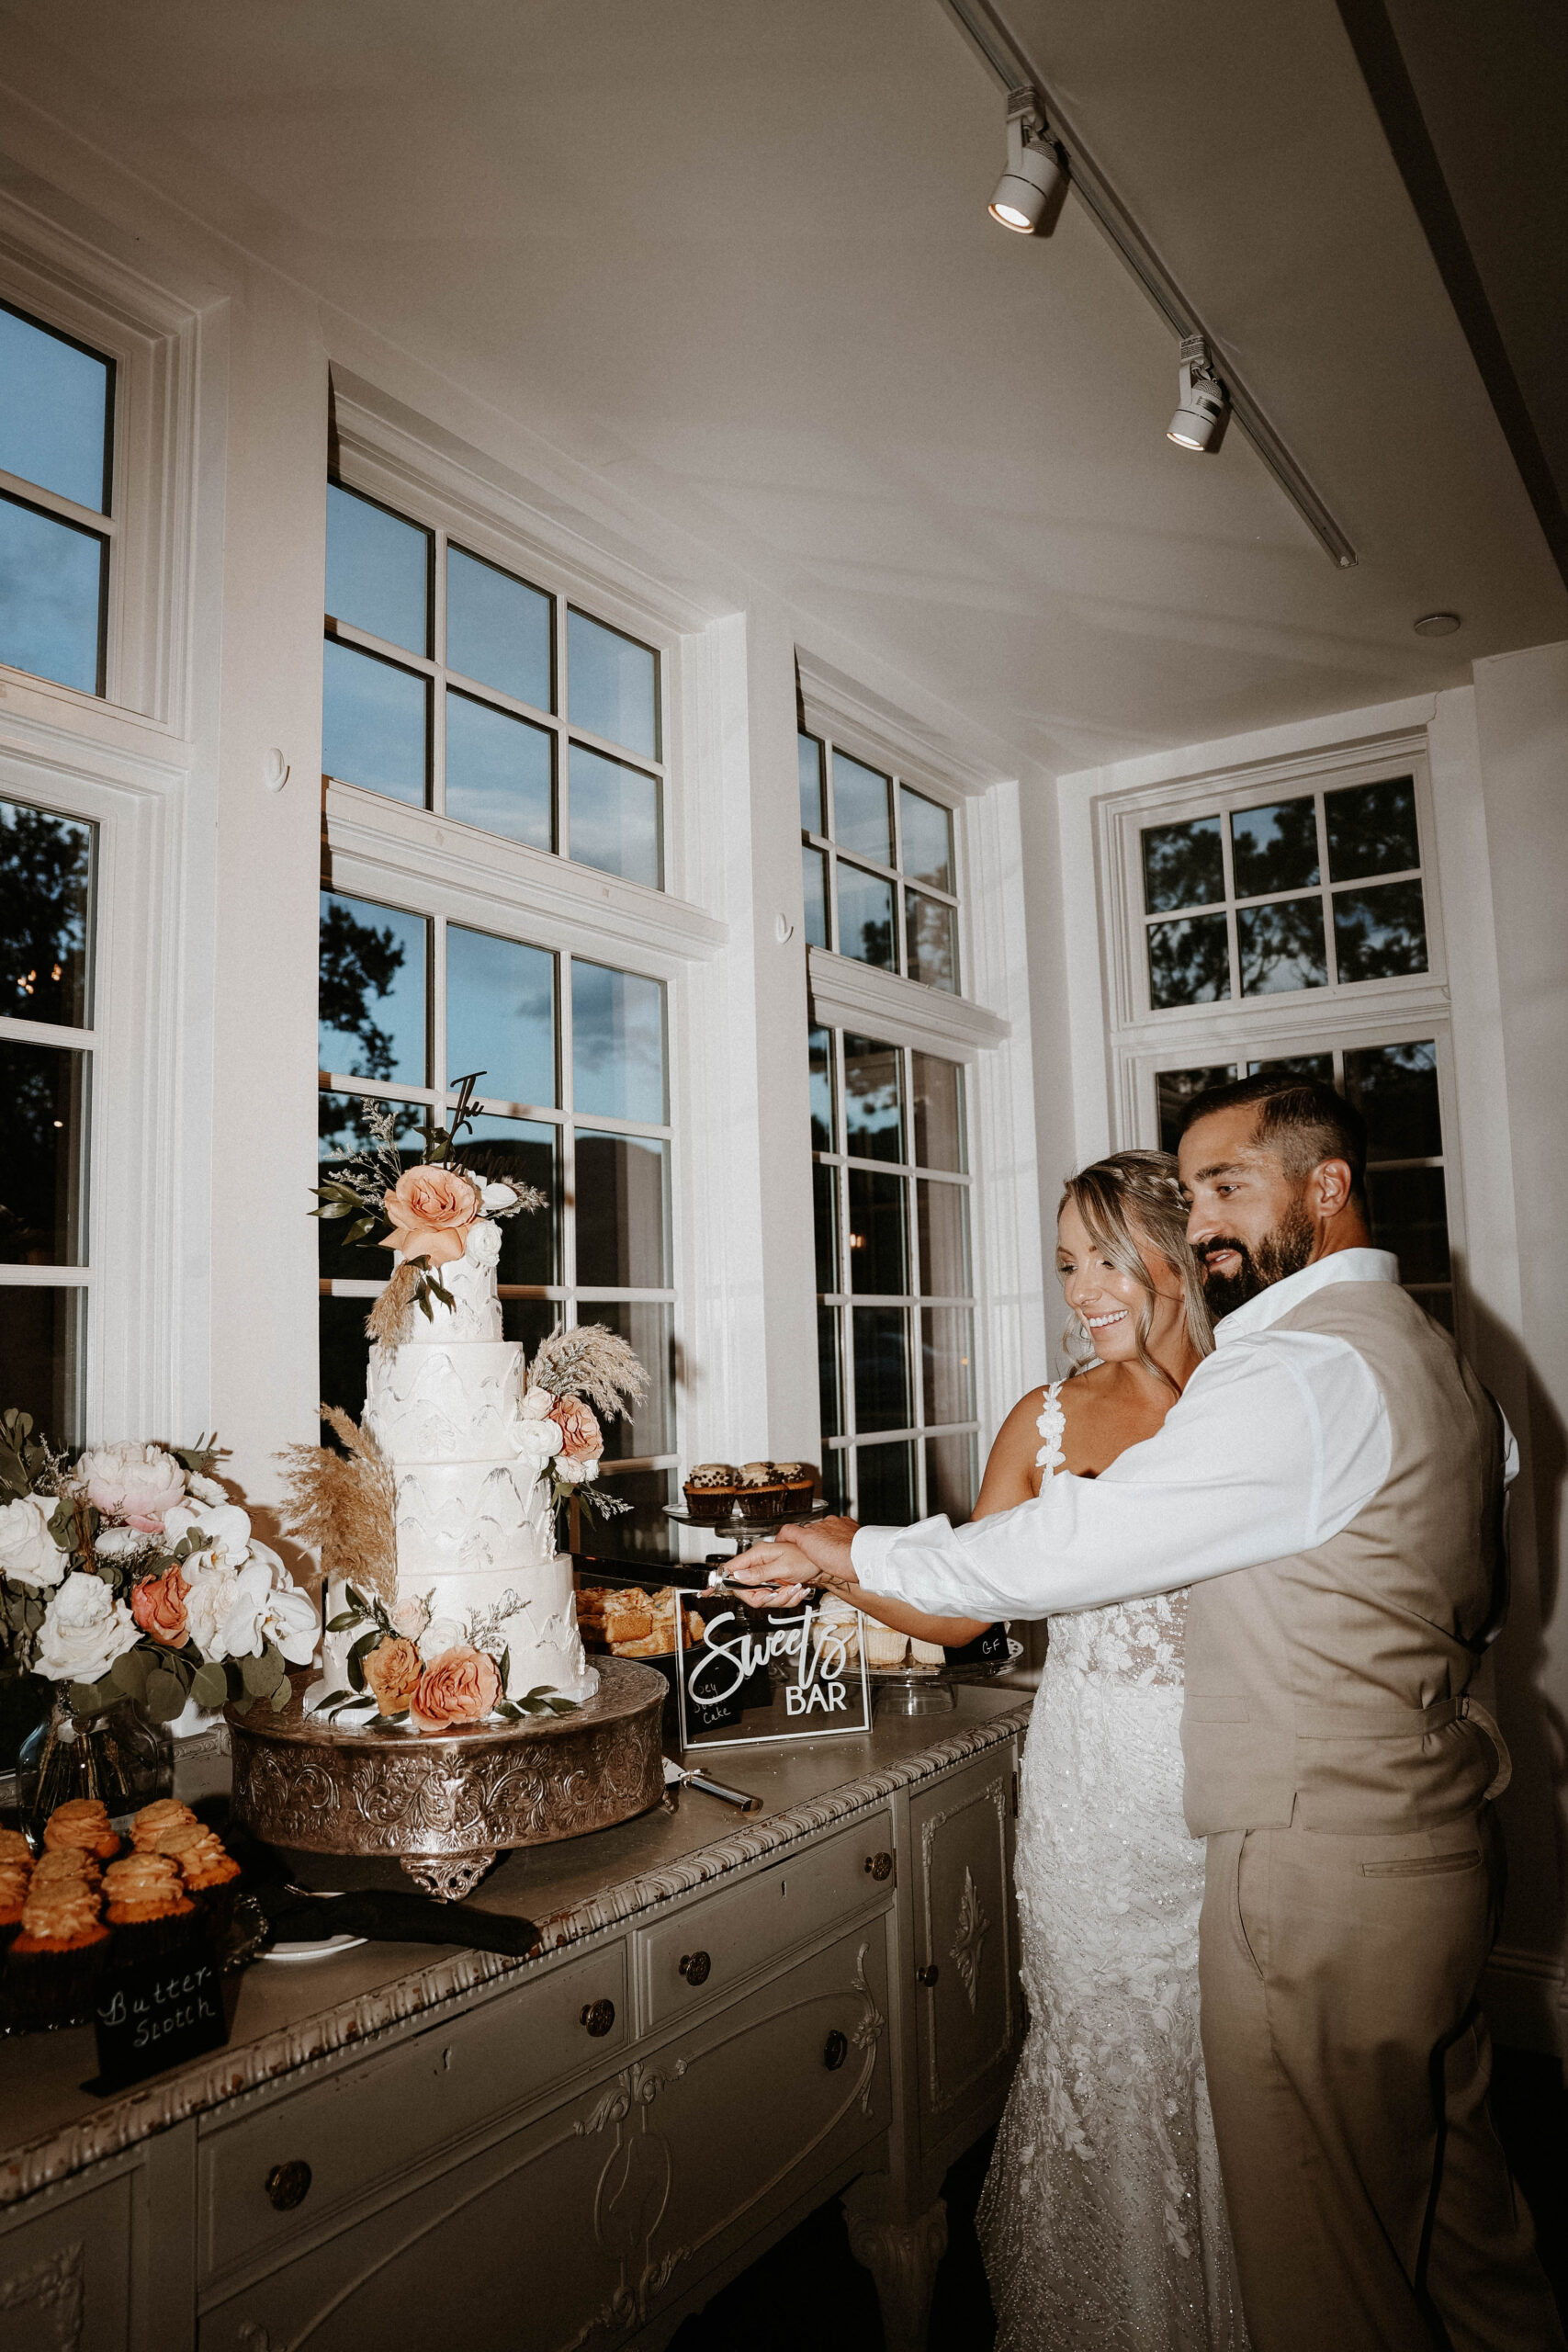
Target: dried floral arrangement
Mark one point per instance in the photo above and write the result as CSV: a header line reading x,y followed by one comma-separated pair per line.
x,y
128,1573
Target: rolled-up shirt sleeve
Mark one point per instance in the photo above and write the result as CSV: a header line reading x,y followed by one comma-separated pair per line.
x,y
1277,1442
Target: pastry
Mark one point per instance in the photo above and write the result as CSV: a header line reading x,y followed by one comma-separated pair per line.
x,y
764,1494
149,1909
164,1813
211,1873
55,1960
84,1823
711,1490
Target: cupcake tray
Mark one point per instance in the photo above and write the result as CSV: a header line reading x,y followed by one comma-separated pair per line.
x,y
445,1806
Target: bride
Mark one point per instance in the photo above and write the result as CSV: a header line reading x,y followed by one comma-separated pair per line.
x,y
1104,2219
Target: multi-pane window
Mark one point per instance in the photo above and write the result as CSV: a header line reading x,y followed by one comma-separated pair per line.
x,y
1394,1087
455,685
48,877
56,440
573,1098
1321,889
877,856
896,1308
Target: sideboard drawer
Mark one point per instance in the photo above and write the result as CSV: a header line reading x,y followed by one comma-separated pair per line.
x,y
282,2168
708,1947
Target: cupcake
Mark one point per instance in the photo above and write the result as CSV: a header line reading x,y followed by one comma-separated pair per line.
x,y
14,1877
764,1494
154,1820
68,1862
14,1848
84,1824
211,1873
711,1490
148,1906
55,1961
800,1483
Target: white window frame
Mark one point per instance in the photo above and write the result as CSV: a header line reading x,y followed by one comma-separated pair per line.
x,y
1145,1041
431,865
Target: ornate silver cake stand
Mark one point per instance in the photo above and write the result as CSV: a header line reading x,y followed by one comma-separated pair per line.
x,y
445,1806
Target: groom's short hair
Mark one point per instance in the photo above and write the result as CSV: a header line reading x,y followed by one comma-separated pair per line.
x,y
1299,1118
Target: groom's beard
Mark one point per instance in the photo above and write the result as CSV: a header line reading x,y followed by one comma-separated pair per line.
x,y
1284,1251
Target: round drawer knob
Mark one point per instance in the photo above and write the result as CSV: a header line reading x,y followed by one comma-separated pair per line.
x,y
927,1976
835,2050
599,2016
879,1866
287,2184
695,1967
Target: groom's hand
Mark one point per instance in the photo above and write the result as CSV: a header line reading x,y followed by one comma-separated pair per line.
x,y
781,1572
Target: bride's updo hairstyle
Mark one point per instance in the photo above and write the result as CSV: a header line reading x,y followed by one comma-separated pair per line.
x,y
1136,1196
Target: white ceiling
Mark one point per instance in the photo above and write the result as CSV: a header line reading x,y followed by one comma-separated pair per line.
x,y
734,255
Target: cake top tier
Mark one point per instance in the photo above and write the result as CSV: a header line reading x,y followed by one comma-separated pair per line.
x,y
475,1311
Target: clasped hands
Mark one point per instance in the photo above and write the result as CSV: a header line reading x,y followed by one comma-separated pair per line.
x,y
781,1572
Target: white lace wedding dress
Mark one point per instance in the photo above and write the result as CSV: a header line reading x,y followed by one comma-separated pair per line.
x,y
1103,2222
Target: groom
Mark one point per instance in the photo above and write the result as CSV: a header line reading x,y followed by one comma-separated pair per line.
x,y
1329,1485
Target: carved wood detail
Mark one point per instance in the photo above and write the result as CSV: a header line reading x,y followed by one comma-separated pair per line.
x,y
55,2286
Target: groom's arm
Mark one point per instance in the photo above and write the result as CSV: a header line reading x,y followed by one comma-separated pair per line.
x,y
1276,1444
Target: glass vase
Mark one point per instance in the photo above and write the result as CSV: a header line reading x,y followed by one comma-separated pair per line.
x,y
118,1754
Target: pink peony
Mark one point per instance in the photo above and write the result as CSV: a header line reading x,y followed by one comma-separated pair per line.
x,y
461,1686
134,1484
582,1440
431,1210
158,1605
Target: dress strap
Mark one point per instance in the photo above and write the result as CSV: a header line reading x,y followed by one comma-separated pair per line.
x,y
1052,1426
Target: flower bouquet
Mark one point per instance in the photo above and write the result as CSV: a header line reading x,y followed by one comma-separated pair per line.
x,y
128,1573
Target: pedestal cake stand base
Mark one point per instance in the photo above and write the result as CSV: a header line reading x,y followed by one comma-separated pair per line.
x,y
445,1806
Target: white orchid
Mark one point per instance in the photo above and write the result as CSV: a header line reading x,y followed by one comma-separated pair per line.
x,y
85,1629
224,1528
497,1198
123,1543
29,1552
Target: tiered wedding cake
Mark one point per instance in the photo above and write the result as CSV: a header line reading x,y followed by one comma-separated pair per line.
x,y
472,1461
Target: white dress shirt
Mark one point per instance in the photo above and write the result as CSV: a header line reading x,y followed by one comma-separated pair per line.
x,y
1278,1439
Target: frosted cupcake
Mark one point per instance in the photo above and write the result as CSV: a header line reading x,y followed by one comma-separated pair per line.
x,y
800,1483
148,1906
211,1873
711,1490
14,1848
83,1823
164,1814
67,1862
14,1877
764,1494
54,1963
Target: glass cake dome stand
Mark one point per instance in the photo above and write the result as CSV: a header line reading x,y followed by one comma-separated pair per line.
x,y
743,1533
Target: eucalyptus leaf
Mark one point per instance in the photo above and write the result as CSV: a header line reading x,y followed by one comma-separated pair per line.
x,y
84,1698
281,1696
164,1698
260,1675
131,1672
209,1686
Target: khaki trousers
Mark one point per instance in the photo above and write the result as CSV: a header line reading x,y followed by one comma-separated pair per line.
x,y
1371,2206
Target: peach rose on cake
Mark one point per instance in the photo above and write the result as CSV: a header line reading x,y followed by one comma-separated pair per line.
x,y
461,1686
431,1210
158,1605
392,1673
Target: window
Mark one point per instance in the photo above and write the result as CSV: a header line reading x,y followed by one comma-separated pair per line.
x,y
1290,929
1394,1087
56,441
1317,890
574,1099
48,885
896,1308
879,872
453,685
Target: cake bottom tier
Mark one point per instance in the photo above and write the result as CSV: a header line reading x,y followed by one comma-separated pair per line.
x,y
528,1613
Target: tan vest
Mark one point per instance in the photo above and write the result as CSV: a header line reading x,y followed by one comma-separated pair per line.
x,y
1331,1685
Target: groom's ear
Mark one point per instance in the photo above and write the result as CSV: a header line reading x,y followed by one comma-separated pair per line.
x,y
1330,1189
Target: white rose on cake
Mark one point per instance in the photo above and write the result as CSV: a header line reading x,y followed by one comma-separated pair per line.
x,y
441,1635
29,1552
85,1629
576,1474
410,1616
536,1432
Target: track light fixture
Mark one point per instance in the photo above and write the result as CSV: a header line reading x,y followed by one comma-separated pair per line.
x,y
1203,403
1033,169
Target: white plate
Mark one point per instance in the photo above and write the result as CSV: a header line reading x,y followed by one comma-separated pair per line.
x,y
318,1951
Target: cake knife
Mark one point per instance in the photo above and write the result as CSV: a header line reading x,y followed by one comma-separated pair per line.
x,y
679,1776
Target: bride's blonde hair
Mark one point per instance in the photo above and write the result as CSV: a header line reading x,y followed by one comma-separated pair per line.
x,y
1132,1197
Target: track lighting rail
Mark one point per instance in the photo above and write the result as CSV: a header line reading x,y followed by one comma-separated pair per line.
x,y
987,33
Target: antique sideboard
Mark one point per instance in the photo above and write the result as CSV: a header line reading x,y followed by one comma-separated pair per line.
x,y
732,2019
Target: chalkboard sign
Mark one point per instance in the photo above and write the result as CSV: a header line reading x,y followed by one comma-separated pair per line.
x,y
766,1674
986,1649
156,2013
